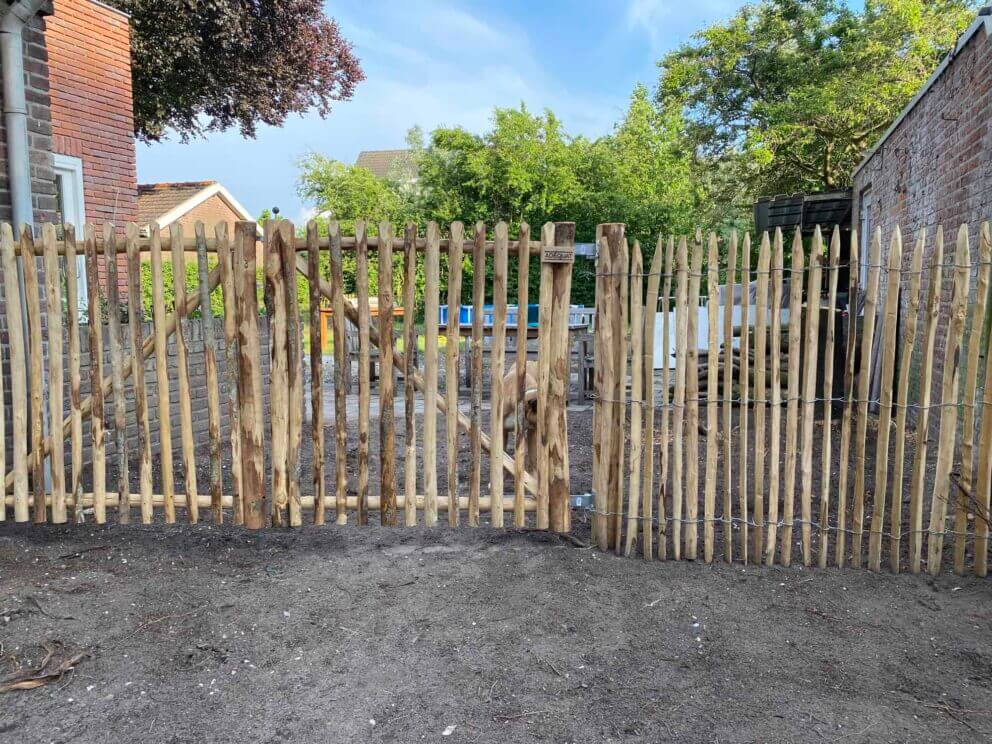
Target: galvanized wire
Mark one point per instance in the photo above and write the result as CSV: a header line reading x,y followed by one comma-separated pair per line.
x,y
753,271
779,524
786,400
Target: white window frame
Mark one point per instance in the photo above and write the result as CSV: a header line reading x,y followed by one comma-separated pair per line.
x,y
74,213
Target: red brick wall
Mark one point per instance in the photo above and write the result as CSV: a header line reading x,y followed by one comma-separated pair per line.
x,y
89,62
936,169
210,212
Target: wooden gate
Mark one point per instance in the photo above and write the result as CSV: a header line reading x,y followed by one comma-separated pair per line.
x,y
544,492
239,406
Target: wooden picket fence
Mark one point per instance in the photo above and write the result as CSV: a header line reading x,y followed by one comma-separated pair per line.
x,y
747,490
266,415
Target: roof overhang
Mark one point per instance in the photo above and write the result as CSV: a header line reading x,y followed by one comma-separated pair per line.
x,y
982,22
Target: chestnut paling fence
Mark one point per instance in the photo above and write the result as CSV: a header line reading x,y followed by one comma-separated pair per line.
x,y
740,439
750,437
265,408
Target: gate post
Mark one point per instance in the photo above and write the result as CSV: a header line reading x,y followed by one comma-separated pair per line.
x,y
556,270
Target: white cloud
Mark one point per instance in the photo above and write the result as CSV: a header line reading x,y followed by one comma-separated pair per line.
x,y
645,12
305,215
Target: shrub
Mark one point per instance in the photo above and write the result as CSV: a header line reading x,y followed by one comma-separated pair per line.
x,y
169,293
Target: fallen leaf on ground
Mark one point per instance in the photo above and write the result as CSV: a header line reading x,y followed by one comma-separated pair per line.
x,y
44,673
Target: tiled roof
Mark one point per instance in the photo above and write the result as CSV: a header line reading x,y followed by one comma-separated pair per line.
x,y
156,199
386,163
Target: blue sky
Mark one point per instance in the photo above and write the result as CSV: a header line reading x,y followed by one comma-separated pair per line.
x,y
448,62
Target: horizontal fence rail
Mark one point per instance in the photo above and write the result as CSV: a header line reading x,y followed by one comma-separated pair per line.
x,y
818,420
159,359
213,245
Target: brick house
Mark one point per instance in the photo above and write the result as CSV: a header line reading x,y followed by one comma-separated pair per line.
x,y
74,114
188,202
79,109
934,164
67,151
92,126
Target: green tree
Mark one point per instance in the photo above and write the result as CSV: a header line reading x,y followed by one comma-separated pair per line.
x,y
788,94
640,175
528,168
446,177
521,170
348,192
198,67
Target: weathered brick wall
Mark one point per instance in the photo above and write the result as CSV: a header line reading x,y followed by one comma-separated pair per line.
x,y
198,396
78,77
36,74
935,169
38,100
90,70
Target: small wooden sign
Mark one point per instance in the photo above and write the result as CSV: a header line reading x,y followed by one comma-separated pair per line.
x,y
558,254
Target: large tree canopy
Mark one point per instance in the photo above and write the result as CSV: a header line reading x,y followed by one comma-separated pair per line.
x,y
788,94
522,169
526,168
348,192
208,66
640,175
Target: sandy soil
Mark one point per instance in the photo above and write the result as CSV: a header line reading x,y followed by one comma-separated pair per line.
x,y
345,634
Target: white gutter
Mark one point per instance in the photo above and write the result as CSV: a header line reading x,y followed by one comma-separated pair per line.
x,y
15,111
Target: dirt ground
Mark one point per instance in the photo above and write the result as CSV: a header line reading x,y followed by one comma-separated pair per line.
x,y
205,633
210,633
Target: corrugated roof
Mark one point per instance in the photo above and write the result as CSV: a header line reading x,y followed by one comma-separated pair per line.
x,y
386,163
156,199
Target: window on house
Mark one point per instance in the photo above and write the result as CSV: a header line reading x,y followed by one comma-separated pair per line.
x,y
71,210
